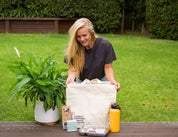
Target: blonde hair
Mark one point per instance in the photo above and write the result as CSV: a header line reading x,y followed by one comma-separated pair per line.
x,y
75,51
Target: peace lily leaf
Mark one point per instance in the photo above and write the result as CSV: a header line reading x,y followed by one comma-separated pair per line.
x,y
41,61
44,72
33,59
55,74
44,82
12,96
19,86
27,90
42,96
48,98
26,99
58,101
19,77
31,72
15,69
34,100
53,106
44,89
15,84
45,105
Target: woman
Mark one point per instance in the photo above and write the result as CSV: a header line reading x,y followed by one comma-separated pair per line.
x,y
89,56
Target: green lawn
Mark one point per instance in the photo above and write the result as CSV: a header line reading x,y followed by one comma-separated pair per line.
x,y
146,68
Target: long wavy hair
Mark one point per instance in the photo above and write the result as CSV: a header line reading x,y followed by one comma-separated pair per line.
x,y
75,52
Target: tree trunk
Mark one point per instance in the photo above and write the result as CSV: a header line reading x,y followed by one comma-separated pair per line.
x,y
133,24
123,17
142,31
133,21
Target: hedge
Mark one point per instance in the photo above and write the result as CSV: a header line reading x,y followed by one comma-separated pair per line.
x,y
104,14
162,18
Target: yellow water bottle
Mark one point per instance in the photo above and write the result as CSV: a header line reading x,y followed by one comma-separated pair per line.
x,y
114,119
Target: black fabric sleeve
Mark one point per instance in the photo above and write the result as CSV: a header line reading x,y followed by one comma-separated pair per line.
x,y
110,55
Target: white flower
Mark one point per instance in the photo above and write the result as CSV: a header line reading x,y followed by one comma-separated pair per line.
x,y
17,52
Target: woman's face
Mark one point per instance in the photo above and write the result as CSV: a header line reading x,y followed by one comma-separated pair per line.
x,y
84,37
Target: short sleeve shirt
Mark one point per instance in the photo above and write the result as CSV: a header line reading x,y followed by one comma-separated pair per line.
x,y
102,53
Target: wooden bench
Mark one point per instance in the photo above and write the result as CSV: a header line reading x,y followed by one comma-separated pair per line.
x,y
128,129
36,25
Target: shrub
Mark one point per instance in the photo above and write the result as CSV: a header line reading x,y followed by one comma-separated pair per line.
x,y
162,18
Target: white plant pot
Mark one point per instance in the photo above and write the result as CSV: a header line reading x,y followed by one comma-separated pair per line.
x,y
49,116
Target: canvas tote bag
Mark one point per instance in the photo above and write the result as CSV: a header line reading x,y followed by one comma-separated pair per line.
x,y
90,100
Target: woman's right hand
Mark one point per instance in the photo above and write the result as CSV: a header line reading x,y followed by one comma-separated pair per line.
x,y
71,75
70,80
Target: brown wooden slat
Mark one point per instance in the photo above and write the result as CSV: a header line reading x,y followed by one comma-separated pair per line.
x,y
7,27
64,26
2,26
56,26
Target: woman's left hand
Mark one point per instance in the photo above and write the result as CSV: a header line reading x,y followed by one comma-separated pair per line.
x,y
116,84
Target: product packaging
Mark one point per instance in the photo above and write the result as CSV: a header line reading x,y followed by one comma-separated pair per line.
x,y
66,115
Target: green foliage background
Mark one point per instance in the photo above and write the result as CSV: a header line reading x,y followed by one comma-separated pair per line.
x,y
159,16
162,18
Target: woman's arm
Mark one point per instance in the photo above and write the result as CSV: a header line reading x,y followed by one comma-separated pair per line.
x,y
109,72
71,75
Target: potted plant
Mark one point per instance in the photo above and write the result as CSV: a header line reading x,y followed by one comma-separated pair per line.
x,y
42,83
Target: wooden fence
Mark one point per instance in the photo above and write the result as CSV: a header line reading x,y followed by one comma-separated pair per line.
x,y
35,25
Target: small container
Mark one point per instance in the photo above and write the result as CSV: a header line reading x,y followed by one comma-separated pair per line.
x,y
94,130
71,125
114,118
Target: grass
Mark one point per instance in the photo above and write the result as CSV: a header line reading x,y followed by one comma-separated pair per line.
x,y
146,69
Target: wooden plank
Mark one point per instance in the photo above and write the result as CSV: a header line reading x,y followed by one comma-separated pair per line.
x,y
56,26
2,26
128,129
7,27
64,26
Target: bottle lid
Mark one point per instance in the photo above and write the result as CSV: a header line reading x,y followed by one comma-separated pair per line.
x,y
115,106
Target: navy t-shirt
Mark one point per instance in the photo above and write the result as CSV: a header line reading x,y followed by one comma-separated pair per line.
x,y
102,53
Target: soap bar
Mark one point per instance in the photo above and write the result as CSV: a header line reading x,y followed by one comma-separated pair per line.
x,y
71,125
